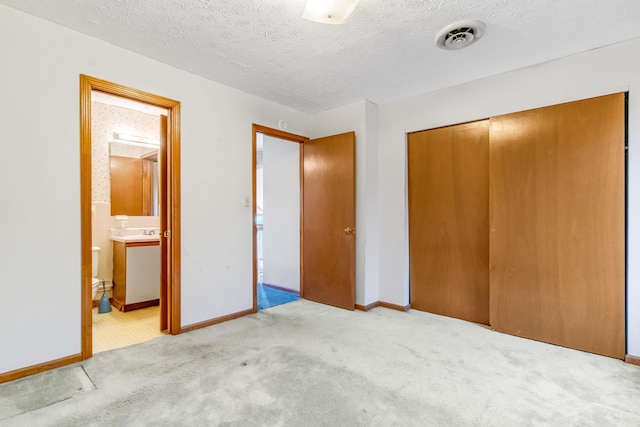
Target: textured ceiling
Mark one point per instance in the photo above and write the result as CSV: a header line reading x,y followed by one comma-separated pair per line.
x,y
385,52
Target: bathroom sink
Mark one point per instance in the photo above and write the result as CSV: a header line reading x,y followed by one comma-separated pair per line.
x,y
135,234
137,238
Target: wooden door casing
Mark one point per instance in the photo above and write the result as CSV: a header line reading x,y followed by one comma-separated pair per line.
x,y
328,204
557,224
164,214
448,221
172,201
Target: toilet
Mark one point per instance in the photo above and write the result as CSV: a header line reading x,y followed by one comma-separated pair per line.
x,y
95,282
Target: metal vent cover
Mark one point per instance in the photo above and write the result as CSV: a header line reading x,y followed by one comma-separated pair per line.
x,y
460,34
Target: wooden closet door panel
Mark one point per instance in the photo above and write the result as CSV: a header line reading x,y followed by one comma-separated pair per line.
x,y
449,220
557,233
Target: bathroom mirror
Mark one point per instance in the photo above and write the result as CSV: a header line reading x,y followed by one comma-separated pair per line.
x,y
134,180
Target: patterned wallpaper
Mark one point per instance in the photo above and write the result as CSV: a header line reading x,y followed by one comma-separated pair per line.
x,y
105,120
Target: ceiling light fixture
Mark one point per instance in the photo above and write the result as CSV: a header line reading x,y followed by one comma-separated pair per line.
x,y
329,11
460,34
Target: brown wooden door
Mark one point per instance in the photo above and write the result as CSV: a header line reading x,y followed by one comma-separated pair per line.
x,y
449,220
163,212
557,222
328,248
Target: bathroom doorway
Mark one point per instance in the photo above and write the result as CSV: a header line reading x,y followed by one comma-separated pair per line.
x,y
143,229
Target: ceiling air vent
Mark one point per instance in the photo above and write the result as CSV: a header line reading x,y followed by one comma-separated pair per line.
x,y
460,34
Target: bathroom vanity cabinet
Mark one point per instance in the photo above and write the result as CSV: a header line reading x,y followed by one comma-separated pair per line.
x,y
136,274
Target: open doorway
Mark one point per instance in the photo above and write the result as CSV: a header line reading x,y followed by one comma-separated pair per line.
x,y
126,261
277,220
135,134
327,209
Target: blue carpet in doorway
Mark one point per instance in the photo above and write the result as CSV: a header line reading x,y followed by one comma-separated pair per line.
x,y
270,297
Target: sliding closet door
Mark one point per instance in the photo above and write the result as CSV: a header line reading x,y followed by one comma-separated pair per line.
x,y
449,220
557,232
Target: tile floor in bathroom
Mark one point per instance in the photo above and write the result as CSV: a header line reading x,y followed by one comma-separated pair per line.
x,y
117,329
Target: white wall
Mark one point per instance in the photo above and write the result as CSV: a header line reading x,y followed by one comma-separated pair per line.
x,y
40,174
281,230
371,206
362,118
259,189
608,70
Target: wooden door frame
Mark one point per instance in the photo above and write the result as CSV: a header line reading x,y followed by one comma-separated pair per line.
x,y
170,207
275,133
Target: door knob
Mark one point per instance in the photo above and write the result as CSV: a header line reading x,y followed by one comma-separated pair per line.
x,y
167,234
349,230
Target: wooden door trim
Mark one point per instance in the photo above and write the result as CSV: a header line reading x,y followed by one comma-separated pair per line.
x,y
88,84
161,159
40,367
275,133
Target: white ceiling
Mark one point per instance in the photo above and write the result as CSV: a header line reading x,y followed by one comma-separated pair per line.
x,y
385,52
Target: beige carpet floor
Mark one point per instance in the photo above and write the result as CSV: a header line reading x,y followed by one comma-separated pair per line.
x,y
305,364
